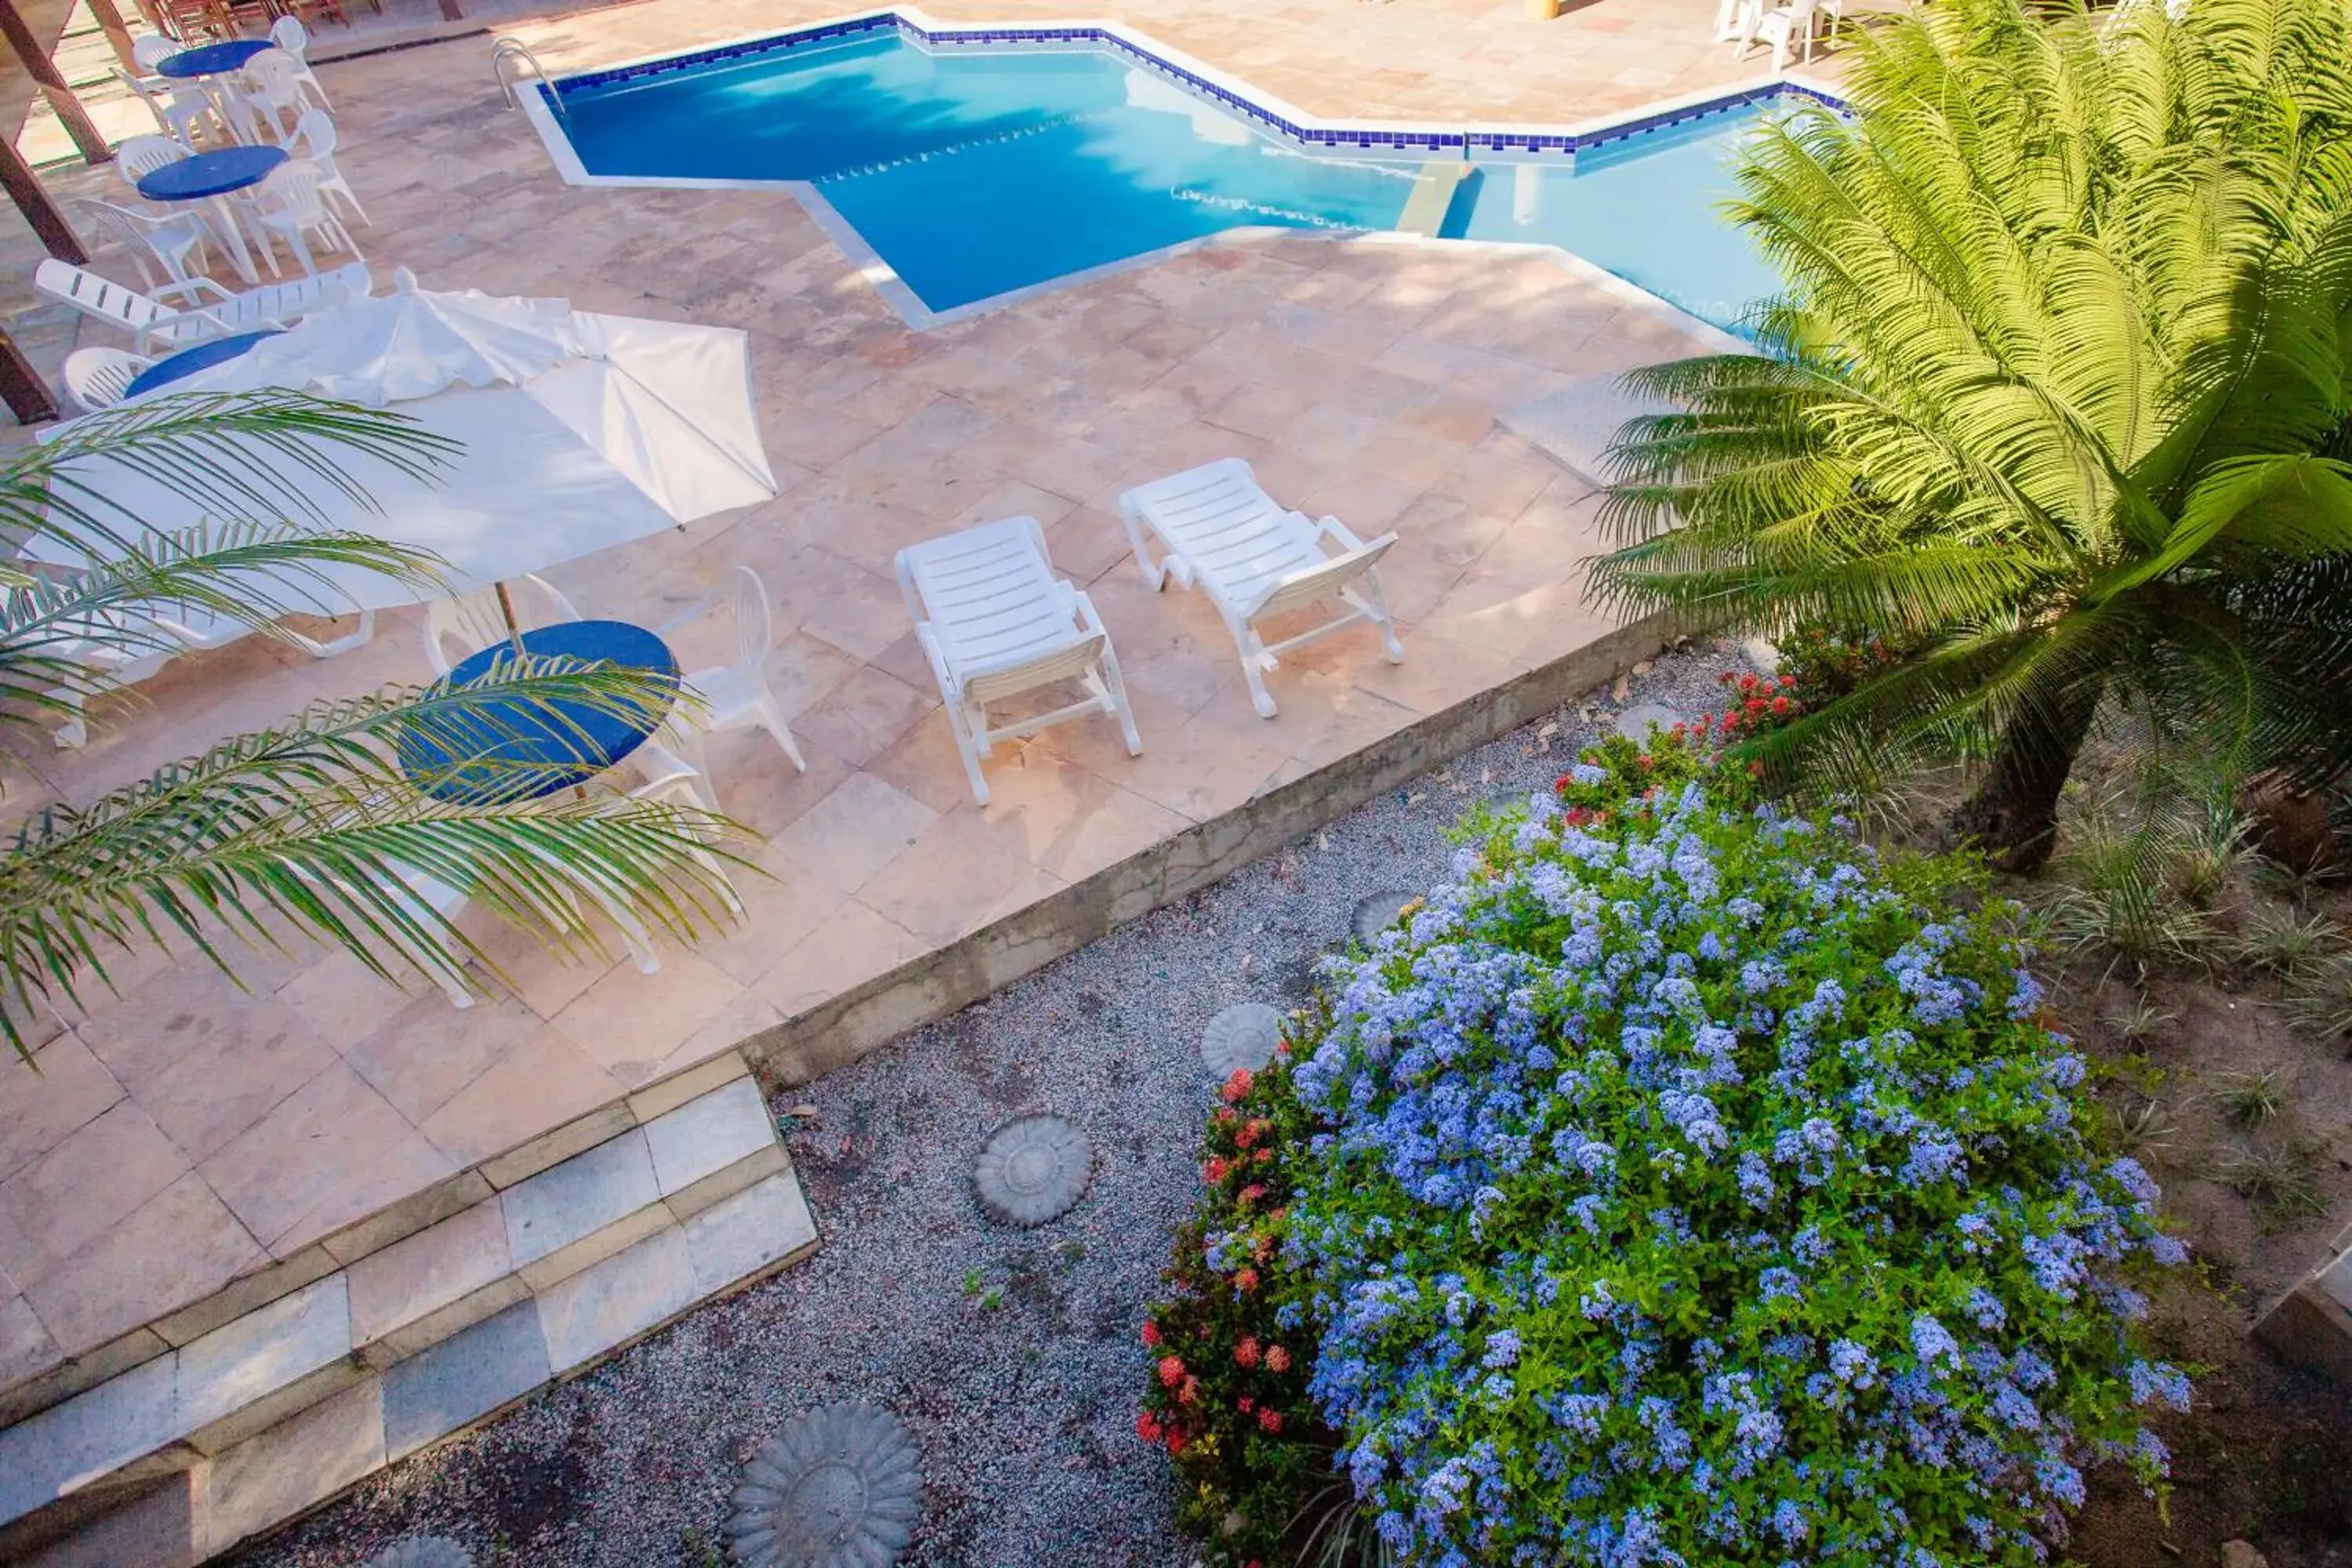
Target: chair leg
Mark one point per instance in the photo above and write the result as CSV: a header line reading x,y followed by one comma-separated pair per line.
x,y
1153,572
969,746
1117,687
1377,607
1255,661
772,719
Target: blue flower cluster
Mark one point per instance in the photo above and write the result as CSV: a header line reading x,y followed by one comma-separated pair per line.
x,y
1699,1189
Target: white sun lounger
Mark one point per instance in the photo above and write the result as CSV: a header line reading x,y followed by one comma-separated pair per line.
x,y
1227,537
211,311
995,621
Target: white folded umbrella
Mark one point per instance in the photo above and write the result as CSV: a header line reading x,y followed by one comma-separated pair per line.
x,y
581,432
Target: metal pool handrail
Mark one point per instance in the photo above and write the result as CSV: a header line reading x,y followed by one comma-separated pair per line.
x,y
504,49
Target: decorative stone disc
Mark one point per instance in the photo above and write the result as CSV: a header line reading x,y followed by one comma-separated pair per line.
x,y
1032,1170
1242,1035
1636,722
839,1488
423,1551
1375,914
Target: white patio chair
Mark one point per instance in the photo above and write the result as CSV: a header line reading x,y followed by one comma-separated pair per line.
x,y
289,34
1227,537
180,112
203,311
97,378
288,205
995,621
149,50
737,693
271,86
174,243
139,156
314,140
1782,26
474,621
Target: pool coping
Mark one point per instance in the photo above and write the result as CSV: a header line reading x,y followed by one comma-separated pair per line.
x,y
1496,140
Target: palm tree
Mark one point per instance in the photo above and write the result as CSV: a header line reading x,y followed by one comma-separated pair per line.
x,y
2057,389
310,826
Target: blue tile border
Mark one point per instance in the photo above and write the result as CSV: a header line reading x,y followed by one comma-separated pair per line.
x,y
1469,141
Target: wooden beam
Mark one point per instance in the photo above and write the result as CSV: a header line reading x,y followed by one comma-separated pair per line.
x,y
52,82
40,208
27,394
109,22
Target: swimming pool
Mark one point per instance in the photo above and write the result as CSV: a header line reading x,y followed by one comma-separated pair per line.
x,y
975,174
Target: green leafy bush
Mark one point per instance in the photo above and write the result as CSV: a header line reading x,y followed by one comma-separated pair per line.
x,y
1691,1187
1227,1395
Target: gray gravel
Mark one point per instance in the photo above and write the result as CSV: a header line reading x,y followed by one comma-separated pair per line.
x,y
1012,1354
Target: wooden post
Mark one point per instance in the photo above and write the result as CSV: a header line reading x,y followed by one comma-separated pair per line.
x,y
27,394
44,71
40,209
109,22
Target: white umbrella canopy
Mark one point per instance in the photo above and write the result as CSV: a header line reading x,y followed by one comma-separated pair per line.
x,y
581,432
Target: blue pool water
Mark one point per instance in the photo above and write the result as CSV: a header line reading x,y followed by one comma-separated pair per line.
x,y
975,174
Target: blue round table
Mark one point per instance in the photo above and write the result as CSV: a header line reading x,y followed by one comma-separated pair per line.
x,y
211,173
211,59
187,361
505,751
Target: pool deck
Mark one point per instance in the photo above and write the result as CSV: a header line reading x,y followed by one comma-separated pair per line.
x,y
189,1140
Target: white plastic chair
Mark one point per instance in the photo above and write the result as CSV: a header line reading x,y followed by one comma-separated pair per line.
x,y
314,140
289,34
271,86
995,621
1782,26
474,621
288,205
139,156
178,111
97,378
1225,535
207,310
170,242
736,694
149,50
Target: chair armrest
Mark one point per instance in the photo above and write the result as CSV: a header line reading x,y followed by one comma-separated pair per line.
x,y
1331,528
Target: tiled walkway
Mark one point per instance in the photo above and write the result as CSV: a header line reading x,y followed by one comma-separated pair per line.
x,y
187,1131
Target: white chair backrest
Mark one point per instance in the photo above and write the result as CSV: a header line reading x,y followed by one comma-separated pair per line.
x,y
97,378
289,34
291,194
1300,587
141,156
92,295
474,621
145,92
1065,663
746,598
273,76
314,135
150,49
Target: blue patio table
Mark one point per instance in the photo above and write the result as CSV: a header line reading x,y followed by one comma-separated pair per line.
x,y
512,751
214,177
211,59
187,361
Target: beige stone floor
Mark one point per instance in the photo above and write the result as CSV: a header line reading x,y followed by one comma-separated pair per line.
x,y
188,1130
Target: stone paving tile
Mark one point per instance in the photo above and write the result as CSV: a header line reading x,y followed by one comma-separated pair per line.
x,y
708,1133
463,1378
1362,378
612,1302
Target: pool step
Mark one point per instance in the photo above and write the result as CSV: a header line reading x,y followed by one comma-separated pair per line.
x,y
1432,196
178,1459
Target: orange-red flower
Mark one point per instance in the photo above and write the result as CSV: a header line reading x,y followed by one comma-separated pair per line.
x,y
1237,1085
1245,1352
1191,1393
1148,1427
1150,1332
1276,1359
1172,1370
1245,1280
1270,1418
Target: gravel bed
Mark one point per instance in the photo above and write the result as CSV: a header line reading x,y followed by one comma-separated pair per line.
x,y
1011,1353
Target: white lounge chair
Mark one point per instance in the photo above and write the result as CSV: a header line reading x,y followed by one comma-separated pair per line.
x,y
995,621
737,693
1227,537
205,309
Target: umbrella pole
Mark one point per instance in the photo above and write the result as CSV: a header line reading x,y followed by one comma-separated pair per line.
x,y
506,608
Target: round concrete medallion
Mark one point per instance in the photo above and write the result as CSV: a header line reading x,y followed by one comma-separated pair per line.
x,y
841,1487
1032,1170
1242,1035
1375,914
1635,723
423,1551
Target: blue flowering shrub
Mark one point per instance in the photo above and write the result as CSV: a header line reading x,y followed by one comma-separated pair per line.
x,y
1697,1188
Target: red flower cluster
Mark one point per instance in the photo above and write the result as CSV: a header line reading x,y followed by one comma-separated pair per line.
x,y
1172,1370
1758,704
1276,1359
1245,1352
1237,1085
